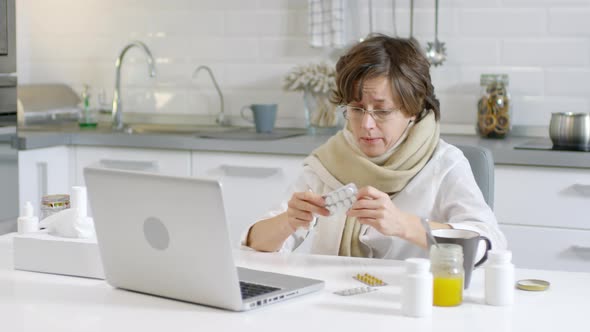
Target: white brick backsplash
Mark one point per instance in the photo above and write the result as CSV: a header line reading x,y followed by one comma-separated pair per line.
x,y
380,4
503,22
473,51
446,79
570,22
526,81
154,100
241,23
543,45
251,24
199,5
170,100
136,75
474,3
205,101
536,111
544,3
283,4
290,103
290,50
290,24
167,75
202,79
567,82
423,22
256,76
556,52
523,81
456,108
68,72
224,49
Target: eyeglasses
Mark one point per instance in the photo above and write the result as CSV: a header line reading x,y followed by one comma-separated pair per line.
x,y
357,113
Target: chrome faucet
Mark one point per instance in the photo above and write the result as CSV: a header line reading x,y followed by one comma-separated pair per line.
x,y
117,107
221,119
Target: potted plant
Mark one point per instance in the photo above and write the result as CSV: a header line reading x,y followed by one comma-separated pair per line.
x,y
316,80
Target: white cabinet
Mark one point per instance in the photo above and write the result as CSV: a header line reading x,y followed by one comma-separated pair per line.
x,y
41,172
543,196
543,212
549,248
171,162
252,183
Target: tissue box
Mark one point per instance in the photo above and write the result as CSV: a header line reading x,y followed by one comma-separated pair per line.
x,y
41,252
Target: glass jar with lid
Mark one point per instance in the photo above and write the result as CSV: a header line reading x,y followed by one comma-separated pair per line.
x,y
446,261
494,106
51,204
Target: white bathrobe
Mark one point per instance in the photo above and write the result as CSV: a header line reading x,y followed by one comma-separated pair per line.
x,y
443,191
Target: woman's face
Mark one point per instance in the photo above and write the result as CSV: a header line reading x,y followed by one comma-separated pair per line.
x,y
375,137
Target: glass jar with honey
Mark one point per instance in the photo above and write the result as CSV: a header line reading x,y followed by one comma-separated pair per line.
x,y
448,275
494,106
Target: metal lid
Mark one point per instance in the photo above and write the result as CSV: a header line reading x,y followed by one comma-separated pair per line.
x,y
486,79
571,114
532,284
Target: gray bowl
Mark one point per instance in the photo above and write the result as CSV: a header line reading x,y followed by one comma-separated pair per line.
x,y
570,131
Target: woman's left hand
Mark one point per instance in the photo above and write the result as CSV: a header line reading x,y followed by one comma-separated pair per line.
x,y
375,208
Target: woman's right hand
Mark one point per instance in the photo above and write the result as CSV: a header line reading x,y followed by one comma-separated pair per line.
x,y
301,209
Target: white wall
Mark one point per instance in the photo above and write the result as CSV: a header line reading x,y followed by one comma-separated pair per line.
x,y
543,45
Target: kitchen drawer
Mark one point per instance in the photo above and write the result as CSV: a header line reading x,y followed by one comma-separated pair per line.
x,y
549,248
252,183
168,162
543,196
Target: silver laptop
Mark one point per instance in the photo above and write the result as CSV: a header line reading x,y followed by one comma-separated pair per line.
x,y
167,236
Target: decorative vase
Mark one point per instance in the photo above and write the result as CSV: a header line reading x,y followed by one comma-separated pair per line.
x,y
321,116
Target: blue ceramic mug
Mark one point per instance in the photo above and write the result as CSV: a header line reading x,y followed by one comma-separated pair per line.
x,y
264,116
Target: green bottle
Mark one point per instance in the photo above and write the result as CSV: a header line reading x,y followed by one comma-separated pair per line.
x,y
86,119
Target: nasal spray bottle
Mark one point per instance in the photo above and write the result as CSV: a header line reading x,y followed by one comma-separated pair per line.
x,y
73,222
27,222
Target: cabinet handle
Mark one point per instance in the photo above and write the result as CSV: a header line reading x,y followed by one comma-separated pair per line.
x,y
131,165
582,189
41,178
249,172
582,250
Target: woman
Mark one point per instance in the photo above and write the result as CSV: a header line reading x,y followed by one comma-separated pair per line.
x,y
409,180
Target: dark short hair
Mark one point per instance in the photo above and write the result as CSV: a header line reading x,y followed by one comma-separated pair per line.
x,y
401,60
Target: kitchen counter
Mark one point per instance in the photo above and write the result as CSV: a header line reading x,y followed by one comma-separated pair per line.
x,y
503,150
32,301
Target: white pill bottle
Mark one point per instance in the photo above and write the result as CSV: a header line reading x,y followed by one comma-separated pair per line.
x,y
417,288
499,278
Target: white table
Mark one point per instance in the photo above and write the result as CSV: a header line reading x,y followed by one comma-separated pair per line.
x,y
32,301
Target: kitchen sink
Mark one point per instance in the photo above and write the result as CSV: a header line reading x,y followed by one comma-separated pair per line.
x,y
197,131
212,132
177,129
249,134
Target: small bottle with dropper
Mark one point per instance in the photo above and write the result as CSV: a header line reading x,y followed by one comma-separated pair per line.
x,y
27,222
87,119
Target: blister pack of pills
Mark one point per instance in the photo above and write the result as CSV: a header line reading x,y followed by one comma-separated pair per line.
x,y
341,199
355,291
369,279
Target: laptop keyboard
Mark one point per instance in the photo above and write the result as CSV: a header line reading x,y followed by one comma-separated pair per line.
x,y
251,290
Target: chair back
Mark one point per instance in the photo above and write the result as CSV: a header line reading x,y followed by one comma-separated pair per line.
x,y
481,161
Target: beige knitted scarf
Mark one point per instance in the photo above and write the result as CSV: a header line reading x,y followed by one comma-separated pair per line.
x,y
348,164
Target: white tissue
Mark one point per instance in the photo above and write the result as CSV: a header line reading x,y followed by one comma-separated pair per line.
x,y
73,222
